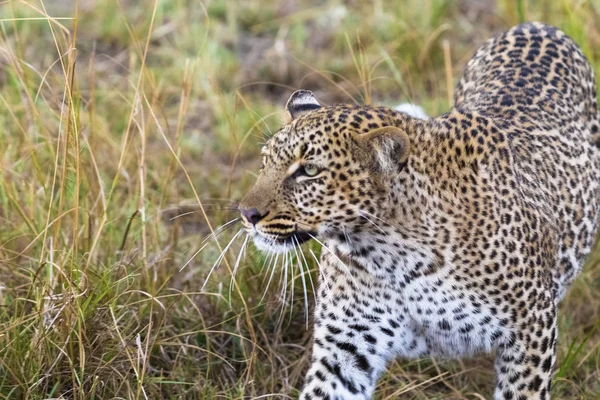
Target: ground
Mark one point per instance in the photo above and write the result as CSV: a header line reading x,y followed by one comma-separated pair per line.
x,y
130,130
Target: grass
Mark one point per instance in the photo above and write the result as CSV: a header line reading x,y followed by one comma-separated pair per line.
x,y
120,116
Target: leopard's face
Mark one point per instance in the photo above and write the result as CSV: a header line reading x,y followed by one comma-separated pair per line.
x,y
315,181
310,185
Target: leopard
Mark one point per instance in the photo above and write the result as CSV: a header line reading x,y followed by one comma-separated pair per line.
x,y
447,236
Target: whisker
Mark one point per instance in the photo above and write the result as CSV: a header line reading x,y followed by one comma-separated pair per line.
x,y
220,229
268,259
325,281
186,209
376,217
183,215
296,246
227,210
263,120
284,272
293,277
207,207
374,224
237,264
216,200
270,278
307,270
205,242
348,241
333,254
193,256
220,258
223,206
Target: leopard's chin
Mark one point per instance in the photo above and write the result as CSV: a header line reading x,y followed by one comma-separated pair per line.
x,y
280,244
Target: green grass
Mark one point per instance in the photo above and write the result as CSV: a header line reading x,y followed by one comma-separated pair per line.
x,y
126,114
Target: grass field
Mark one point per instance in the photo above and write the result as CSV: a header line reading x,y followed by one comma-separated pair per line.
x,y
129,131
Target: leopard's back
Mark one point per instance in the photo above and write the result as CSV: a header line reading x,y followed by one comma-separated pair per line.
x,y
538,87
532,74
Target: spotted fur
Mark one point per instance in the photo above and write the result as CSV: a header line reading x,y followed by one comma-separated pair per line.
x,y
447,236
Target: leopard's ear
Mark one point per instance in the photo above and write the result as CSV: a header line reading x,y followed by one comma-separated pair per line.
x,y
386,150
300,102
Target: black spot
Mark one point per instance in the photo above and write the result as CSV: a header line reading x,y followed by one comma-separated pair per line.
x,y
547,364
444,325
370,338
535,384
349,347
334,330
387,332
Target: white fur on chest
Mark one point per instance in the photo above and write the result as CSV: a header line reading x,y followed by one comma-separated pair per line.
x,y
438,310
453,323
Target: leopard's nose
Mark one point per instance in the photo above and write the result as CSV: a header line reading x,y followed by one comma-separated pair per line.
x,y
251,215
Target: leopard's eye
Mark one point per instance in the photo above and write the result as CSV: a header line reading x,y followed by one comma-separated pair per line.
x,y
307,171
311,170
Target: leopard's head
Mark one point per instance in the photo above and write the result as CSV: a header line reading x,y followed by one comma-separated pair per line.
x,y
322,172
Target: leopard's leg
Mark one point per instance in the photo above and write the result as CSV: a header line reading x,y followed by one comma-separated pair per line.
x,y
525,360
358,328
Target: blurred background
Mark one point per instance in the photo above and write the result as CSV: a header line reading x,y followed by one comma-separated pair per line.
x,y
130,129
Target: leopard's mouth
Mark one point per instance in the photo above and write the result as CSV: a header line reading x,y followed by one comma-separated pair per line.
x,y
297,237
279,243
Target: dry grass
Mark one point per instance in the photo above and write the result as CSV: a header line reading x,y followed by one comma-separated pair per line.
x,y
119,115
